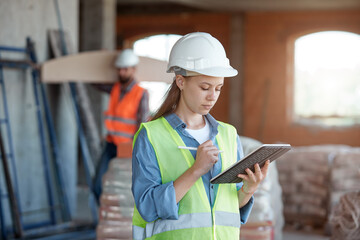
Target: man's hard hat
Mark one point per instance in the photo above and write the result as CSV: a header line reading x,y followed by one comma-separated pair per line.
x,y
126,58
200,53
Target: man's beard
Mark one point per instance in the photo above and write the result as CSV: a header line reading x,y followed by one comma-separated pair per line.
x,y
124,80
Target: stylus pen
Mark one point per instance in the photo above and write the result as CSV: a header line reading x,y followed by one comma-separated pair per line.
x,y
192,148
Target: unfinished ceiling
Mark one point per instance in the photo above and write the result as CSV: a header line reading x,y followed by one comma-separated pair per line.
x,y
252,5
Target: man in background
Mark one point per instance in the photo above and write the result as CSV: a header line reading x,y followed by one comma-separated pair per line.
x,y
128,107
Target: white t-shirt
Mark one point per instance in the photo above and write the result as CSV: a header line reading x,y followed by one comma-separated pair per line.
x,y
201,135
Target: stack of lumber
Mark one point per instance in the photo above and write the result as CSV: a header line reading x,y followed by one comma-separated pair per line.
x,y
116,202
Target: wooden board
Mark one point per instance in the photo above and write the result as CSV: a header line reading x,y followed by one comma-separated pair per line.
x,y
98,67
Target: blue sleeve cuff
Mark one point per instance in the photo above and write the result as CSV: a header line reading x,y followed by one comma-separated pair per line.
x,y
166,208
246,210
239,185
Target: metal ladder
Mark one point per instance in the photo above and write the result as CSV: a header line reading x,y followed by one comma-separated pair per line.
x,y
8,155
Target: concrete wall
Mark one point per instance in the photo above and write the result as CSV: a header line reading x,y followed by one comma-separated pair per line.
x,y
32,18
97,31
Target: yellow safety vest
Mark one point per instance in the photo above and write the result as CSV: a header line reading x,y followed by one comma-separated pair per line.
x,y
196,218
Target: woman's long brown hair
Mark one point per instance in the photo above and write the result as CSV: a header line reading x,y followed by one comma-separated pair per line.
x,y
170,103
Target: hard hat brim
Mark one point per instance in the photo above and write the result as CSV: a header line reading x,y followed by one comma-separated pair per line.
x,y
219,72
214,71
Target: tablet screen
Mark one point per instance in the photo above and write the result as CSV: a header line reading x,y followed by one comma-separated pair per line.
x,y
260,155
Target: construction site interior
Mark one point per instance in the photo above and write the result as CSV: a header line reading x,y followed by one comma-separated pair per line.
x,y
298,83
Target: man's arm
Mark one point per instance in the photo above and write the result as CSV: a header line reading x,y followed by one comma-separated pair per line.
x,y
103,87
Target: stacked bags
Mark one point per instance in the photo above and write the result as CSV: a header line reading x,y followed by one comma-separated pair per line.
x,y
116,202
266,218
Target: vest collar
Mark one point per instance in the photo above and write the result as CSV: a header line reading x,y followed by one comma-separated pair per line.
x,y
129,87
176,122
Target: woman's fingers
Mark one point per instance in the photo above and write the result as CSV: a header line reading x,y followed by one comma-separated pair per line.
x,y
243,177
214,152
251,175
207,155
258,172
258,175
210,147
252,179
208,143
265,168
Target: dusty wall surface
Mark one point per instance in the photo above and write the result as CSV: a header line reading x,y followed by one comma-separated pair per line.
x,y
33,18
268,76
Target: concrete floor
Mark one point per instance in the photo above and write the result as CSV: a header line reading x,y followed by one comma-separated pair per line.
x,y
289,234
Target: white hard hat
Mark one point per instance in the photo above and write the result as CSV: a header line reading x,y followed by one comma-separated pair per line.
x,y
200,53
126,58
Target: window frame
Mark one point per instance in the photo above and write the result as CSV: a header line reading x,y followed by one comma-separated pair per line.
x,y
314,120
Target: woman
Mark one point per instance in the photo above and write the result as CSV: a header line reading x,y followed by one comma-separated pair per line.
x,y
171,186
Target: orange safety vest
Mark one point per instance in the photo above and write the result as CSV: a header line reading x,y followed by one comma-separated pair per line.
x,y
121,116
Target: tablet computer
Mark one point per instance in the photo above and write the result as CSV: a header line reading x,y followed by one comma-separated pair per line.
x,y
260,155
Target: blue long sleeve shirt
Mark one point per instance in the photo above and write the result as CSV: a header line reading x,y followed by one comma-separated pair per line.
x,y
156,200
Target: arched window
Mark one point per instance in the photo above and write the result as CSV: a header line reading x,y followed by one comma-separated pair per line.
x,y
157,47
327,78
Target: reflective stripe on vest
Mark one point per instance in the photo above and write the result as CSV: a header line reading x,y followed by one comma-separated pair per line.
x,y
119,119
121,116
196,218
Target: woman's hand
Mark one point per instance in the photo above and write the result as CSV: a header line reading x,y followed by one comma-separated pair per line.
x,y
207,155
252,180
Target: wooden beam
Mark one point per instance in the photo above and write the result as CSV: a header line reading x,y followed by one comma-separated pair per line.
x,y
98,67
